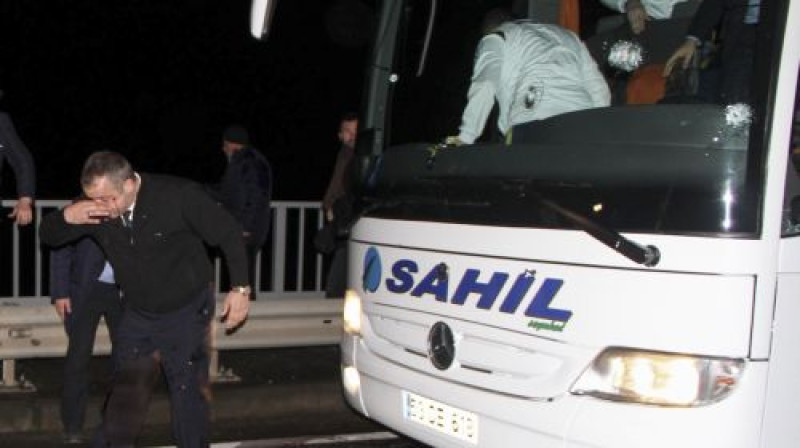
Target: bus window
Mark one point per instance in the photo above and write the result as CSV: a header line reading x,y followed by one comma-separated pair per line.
x,y
683,164
791,219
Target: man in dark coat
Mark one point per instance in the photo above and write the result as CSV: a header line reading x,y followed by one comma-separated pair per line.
x,y
83,289
154,230
737,21
246,190
337,205
17,154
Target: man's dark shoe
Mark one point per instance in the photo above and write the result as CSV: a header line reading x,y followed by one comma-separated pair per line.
x,y
73,438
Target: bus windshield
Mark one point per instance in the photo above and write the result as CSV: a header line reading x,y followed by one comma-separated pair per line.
x,y
613,121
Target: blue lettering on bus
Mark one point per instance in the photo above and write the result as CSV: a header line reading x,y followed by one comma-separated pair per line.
x,y
488,291
434,283
405,278
540,305
402,281
518,290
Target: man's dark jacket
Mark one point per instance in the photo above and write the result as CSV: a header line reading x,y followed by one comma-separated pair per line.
x,y
17,154
727,13
74,269
161,262
245,191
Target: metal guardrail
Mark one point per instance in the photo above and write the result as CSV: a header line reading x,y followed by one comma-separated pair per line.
x,y
286,263
33,330
290,310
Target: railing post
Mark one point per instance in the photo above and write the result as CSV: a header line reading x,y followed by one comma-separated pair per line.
x,y
9,373
300,246
257,281
279,250
319,284
15,261
10,382
216,372
38,256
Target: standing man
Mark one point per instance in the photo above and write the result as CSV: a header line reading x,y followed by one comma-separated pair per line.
x,y
153,230
337,204
737,21
246,190
12,148
83,289
533,71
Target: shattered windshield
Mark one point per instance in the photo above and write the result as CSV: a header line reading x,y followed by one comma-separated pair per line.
x,y
640,115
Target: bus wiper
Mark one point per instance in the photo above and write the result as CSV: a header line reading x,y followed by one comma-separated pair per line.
x,y
645,255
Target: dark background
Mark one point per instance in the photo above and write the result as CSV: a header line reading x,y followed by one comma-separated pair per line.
x,y
158,80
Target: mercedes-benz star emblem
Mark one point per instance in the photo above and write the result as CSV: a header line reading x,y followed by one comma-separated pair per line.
x,y
441,346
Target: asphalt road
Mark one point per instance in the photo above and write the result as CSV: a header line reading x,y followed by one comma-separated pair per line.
x,y
286,397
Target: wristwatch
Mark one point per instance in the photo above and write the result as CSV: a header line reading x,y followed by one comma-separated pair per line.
x,y
246,290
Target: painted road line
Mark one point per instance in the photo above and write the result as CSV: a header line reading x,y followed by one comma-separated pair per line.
x,y
305,440
362,437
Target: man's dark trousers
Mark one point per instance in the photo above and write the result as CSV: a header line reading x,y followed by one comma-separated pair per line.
x,y
101,299
178,340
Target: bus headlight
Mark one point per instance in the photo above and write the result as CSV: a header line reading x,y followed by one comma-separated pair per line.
x,y
352,313
659,378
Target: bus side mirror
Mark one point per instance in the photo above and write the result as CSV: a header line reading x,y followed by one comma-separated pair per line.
x,y
261,17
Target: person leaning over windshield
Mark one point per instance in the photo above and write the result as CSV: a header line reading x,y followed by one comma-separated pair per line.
x,y
533,71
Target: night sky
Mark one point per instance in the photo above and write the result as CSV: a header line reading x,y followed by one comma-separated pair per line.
x,y
158,80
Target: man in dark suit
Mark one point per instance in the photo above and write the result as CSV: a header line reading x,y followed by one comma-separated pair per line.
x,y
17,154
154,229
737,21
83,289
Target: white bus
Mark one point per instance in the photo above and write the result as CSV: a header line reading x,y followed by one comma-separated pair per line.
x,y
628,277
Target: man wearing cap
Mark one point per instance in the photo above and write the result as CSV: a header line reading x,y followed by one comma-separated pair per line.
x,y
245,191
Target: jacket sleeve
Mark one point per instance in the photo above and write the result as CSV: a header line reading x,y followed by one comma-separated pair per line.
x,y
55,231
708,16
485,79
61,260
19,157
217,228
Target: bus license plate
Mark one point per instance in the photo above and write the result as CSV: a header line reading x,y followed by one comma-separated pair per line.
x,y
441,417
